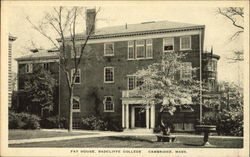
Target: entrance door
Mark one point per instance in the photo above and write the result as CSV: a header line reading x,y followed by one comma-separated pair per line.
x,y
140,118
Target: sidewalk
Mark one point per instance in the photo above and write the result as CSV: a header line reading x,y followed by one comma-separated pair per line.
x,y
102,134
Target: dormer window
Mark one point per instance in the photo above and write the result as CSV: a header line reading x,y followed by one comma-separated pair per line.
x,y
109,49
185,43
168,44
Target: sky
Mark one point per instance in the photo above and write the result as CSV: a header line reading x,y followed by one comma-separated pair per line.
x,y
217,29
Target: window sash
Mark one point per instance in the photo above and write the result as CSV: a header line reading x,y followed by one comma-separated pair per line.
x,y
76,104
131,52
29,68
168,44
140,49
108,74
185,43
108,104
108,49
186,71
131,82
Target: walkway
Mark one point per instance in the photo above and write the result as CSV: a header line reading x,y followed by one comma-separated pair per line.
x,y
101,134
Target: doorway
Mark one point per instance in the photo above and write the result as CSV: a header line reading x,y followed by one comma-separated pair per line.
x,y
140,117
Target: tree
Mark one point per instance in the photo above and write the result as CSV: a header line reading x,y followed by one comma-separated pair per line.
x,y
62,21
39,88
162,86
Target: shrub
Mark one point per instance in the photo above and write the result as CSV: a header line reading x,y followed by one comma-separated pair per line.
x,y
113,124
54,122
93,123
23,121
227,122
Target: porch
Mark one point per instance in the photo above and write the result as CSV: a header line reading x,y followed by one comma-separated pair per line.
x,y
137,115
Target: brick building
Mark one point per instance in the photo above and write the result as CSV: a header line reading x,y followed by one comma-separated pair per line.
x,y
105,82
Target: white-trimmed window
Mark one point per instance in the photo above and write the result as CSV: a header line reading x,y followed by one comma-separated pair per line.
x,y
77,75
76,104
185,43
78,51
108,104
133,82
149,48
131,48
168,44
108,49
186,71
108,74
29,68
140,49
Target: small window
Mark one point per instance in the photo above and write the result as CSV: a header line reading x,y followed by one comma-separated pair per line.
x,y
185,43
140,49
46,66
131,53
109,49
131,82
186,71
77,76
29,68
76,104
168,44
108,104
149,48
78,51
108,75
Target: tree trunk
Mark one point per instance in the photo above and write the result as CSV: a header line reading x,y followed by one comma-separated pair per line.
x,y
70,127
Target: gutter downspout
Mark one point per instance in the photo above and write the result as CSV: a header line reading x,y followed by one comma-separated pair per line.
x,y
200,77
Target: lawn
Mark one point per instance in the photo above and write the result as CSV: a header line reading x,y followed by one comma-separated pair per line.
x,y
137,142
29,134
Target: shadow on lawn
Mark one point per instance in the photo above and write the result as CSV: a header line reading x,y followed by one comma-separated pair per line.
x,y
130,139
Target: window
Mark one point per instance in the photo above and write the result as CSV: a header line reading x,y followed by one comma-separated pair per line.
x,y
108,104
131,53
76,104
133,82
168,44
77,76
149,48
186,71
46,66
108,75
185,43
78,51
109,49
29,68
140,49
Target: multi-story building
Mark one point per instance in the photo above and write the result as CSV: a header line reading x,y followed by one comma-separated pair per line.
x,y
27,65
104,83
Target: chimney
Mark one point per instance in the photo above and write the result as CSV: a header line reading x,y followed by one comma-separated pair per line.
x,y
90,21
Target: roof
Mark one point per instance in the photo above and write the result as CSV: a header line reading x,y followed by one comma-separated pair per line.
x,y
209,54
145,27
41,54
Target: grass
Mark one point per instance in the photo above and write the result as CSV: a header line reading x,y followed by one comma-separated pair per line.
x,y
29,134
137,142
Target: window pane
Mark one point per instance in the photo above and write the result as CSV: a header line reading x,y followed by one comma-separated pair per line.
x,y
109,49
109,75
140,51
109,104
131,52
185,43
131,85
186,72
149,51
168,44
76,104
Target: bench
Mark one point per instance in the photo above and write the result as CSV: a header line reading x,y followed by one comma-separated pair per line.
x,y
165,138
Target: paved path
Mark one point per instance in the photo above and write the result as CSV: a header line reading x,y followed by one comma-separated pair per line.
x,y
101,134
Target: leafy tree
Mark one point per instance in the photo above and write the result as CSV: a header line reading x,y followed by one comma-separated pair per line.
x,y
39,89
162,86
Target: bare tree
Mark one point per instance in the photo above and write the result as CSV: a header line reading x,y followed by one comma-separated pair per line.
x,y
236,16
63,22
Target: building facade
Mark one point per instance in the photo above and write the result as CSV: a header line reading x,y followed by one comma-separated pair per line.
x,y
105,79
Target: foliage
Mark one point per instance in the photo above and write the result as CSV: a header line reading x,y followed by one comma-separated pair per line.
x,y
113,124
23,121
39,88
93,123
54,122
